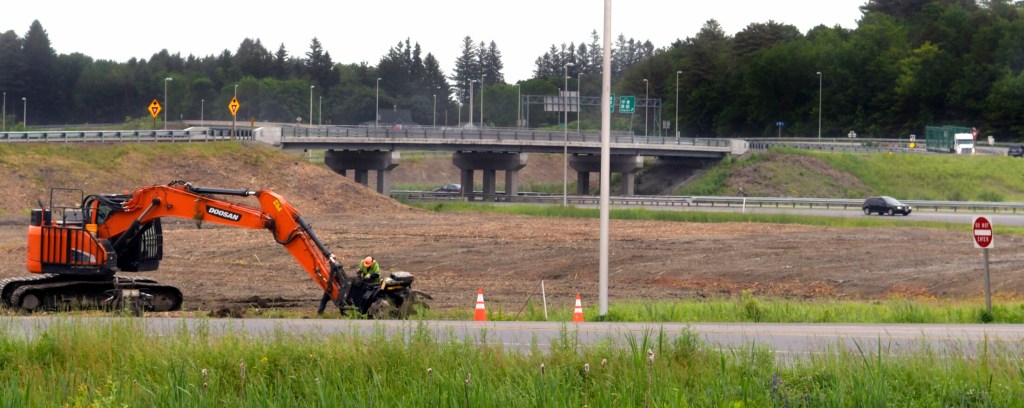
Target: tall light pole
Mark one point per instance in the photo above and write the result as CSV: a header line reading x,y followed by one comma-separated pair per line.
x,y
166,80
24,113
435,110
202,110
565,142
4,114
376,114
311,104
579,95
819,104
519,105
647,93
677,105
320,111
471,102
481,100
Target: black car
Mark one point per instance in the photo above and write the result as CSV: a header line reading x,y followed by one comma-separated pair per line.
x,y
449,188
885,205
1015,151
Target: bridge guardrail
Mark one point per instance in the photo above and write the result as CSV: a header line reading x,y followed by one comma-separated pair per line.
x,y
710,201
496,134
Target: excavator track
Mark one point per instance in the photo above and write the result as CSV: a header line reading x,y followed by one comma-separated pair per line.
x,y
62,292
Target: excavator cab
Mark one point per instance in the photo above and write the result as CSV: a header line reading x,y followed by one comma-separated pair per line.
x,y
77,266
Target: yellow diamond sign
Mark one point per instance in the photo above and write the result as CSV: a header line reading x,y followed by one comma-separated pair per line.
x,y
154,108
233,106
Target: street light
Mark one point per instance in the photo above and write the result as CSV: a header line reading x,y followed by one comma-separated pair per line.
x,y
320,111
519,105
481,100
471,101
4,115
565,142
311,104
579,95
819,104
166,80
435,110
24,113
647,93
202,109
677,105
376,115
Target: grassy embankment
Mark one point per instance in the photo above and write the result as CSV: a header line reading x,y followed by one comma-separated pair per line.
x,y
904,176
118,363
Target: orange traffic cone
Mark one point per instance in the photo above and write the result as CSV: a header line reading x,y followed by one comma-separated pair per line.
x,y
577,312
481,314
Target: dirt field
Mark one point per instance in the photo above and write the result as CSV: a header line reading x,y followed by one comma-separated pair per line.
x,y
452,255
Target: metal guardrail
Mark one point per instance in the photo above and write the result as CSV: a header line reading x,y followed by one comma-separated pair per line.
x,y
491,134
116,136
708,201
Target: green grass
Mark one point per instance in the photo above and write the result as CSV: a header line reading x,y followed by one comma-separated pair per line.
x,y
704,217
905,176
117,363
750,309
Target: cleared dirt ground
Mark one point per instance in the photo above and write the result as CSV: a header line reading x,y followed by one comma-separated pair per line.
x,y
452,255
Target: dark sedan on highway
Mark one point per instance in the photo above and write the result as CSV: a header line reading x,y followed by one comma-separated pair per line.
x,y
885,205
1015,151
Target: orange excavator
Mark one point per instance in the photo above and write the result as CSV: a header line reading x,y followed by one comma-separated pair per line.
x,y
77,250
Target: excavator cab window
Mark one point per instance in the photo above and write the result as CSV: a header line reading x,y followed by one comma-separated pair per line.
x,y
65,205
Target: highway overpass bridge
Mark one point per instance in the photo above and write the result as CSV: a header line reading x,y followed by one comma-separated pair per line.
x,y
490,150
362,149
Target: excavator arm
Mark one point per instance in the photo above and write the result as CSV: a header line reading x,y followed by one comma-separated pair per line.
x,y
183,200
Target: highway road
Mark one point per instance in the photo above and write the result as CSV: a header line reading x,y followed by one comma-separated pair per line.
x,y
787,341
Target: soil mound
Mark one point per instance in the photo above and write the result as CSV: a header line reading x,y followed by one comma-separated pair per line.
x,y
31,169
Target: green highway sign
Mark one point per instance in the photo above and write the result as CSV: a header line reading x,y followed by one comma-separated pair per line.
x,y
627,104
611,103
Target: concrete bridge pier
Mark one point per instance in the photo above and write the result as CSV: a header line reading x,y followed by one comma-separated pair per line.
x,y
591,163
362,161
490,163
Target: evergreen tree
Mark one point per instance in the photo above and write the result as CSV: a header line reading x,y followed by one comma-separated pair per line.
x,y
492,65
12,65
40,60
467,68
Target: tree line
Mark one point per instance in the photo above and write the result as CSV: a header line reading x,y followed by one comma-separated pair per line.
x,y
907,64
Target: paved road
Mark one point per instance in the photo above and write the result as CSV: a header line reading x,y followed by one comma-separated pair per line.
x,y
786,340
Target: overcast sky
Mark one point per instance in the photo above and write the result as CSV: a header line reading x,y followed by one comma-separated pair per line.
x,y
357,31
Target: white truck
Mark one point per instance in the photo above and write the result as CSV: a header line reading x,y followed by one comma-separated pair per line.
x,y
963,143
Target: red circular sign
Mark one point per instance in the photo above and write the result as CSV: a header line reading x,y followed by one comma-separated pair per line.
x,y
982,232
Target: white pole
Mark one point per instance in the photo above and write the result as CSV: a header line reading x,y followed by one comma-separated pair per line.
x,y
166,80
565,142
519,107
606,89
579,94
311,105
647,95
376,111
471,102
4,115
819,104
481,100
544,297
677,105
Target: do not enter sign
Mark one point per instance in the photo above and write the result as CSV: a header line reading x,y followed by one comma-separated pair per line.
x,y
982,233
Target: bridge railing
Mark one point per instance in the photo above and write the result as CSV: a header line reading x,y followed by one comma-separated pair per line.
x,y
709,201
493,134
